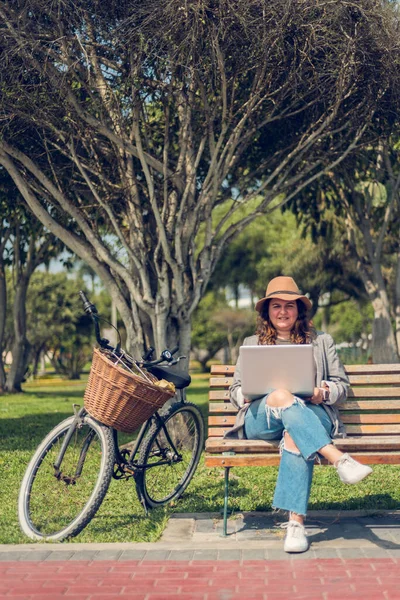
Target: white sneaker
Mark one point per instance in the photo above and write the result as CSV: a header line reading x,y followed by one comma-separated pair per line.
x,y
351,471
296,538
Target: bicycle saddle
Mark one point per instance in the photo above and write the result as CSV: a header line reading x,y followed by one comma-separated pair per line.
x,y
178,378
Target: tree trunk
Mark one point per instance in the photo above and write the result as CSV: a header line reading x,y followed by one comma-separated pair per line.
x,y
21,347
3,308
384,349
74,375
185,333
37,353
397,302
203,364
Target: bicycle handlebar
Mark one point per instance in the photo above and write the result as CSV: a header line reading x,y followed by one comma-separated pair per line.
x,y
148,354
88,307
166,355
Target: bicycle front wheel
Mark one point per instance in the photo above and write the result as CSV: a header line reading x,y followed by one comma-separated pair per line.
x,y
55,504
170,454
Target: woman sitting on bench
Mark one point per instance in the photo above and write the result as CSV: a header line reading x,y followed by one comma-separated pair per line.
x,y
306,427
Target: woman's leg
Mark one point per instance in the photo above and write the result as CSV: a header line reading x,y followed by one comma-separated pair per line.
x,y
256,425
264,421
309,428
293,487
304,435
305,429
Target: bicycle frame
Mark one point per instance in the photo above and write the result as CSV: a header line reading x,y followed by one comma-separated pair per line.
x,y
78,417
122,462
126,467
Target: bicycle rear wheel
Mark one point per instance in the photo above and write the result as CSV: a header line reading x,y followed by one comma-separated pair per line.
x,y
54,505
170,456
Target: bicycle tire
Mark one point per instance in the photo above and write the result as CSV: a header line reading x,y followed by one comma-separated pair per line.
x,y
54,508
170,475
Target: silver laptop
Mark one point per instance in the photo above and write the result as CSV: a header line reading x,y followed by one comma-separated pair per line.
x,y
266,368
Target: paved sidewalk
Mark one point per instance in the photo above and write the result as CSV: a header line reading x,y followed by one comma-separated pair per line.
x,y
352,555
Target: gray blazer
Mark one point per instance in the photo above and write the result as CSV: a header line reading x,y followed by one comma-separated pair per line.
x,y
329,369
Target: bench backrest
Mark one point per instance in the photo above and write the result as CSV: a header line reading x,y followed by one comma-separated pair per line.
x,y
372,407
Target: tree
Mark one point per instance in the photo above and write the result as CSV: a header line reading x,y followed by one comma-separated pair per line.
x,y
207,338
236,324
56,324
276,245
24,245
129,128
350,321
365,196
4,262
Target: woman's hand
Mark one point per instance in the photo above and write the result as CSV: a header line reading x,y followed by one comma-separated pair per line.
x,y
317,397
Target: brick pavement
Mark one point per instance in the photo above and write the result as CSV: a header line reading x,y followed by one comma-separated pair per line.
x,y
352,555
319,579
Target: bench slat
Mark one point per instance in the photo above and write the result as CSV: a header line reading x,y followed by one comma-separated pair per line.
x,y
229,420
217,431
222,369
264,460
218,394
219,445
222,407
384,368
390,392
373,429
370,405
373,379
350,429
357,405
350,369
355,380
244,460
231,445
220,382
371,418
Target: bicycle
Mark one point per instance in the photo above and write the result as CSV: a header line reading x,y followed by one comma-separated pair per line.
x,y
68,477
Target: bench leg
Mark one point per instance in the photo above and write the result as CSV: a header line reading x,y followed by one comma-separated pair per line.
x,y
225,524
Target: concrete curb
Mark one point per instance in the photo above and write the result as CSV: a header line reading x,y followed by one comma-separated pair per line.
x,y
332,533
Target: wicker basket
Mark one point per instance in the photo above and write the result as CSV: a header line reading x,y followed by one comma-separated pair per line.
x,y
118,398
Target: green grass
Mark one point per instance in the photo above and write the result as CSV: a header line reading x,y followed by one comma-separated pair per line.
x,y
26,418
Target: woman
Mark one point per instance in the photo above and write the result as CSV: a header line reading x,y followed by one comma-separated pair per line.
x,y
306,427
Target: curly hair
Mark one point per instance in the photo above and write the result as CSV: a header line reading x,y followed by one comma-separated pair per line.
x,y
302,333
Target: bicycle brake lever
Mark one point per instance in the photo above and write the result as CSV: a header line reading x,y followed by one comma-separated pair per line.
x,y
176,360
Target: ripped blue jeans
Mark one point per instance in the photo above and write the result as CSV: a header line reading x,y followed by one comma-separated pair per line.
x,y
310,427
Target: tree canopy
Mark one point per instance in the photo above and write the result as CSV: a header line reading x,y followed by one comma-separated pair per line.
x,y
128,126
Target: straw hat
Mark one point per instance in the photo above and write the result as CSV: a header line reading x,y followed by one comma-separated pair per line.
x,y
284,288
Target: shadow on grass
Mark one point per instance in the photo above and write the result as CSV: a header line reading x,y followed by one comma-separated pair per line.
x,y
67,394
106,524
208,496
25,433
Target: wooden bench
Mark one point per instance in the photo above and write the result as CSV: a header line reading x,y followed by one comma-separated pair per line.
x,y
371,414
